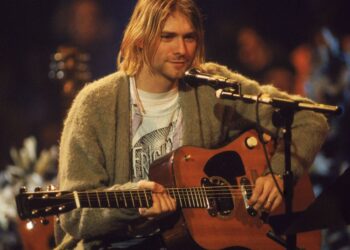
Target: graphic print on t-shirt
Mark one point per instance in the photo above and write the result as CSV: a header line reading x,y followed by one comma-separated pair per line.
x,y
150,147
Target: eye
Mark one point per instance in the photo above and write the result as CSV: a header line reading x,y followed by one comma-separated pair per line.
x,y
166,36
190,38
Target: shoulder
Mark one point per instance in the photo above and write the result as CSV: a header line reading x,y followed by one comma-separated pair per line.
x,y
103,89
105,85
248,85
222,70
100,94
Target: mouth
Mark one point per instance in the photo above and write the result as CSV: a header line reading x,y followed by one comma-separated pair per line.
x,y
179,64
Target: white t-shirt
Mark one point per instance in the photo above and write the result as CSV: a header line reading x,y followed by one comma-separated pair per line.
x,y
156,127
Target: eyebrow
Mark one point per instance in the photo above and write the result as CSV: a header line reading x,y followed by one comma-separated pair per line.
x,y
192,33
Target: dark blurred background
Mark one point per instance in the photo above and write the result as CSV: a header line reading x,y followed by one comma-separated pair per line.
x,y
32,30
49,49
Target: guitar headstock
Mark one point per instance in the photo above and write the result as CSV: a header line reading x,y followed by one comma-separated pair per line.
x,y
39,204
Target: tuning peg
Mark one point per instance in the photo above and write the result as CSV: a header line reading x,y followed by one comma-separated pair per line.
x,y
37,189
23,190
44,221
30,225
51,188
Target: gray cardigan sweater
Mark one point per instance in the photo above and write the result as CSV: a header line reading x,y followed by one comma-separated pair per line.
x,y
95,143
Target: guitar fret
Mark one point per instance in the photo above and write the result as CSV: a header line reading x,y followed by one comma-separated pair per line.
x,y
149,197
91,200
81,199
184,193
116,198
199,197
179,197
140,200
109,204
195,196
144,191
170,193
188,198
206,197
98,199
125,202
173,194
183,196
88,199
104,199
110,199
132,198
202,197
193,202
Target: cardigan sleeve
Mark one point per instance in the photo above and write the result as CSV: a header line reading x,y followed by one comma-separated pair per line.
x,y
82,166
309,129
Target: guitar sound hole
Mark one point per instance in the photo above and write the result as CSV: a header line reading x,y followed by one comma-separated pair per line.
x,y
219,196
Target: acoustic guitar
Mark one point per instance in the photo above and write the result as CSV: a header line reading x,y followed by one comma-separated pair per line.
x,y
211,187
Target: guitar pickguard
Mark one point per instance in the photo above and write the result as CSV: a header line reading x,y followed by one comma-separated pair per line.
x,y
227,164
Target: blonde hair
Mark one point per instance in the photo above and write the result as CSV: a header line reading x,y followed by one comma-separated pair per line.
x,y
145,26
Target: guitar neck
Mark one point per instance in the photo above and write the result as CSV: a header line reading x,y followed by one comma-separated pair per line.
x,y
185,198
41,203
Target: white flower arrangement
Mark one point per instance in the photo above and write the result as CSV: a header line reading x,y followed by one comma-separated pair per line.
x,y
29,171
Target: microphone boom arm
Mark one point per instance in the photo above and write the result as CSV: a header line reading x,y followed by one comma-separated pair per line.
x,y
279,102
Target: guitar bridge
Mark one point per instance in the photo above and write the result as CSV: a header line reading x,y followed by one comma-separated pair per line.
x,y
219,197
247,192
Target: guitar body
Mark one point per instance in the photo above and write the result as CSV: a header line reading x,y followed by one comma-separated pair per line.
x,y
192,166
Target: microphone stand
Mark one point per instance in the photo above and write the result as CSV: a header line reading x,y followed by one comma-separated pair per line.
x,y
282,117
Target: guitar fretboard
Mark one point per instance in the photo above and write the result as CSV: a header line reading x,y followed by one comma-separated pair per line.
x,y
185,198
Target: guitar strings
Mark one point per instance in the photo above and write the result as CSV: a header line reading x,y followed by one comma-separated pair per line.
x,y
223,190
199,202
234,189
198,197
182,194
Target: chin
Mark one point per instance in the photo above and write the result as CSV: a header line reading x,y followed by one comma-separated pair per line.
x,y
178,76
175,74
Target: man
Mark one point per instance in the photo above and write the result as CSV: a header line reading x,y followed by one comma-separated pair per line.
x,y
120,124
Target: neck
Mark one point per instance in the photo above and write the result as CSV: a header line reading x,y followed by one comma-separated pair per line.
x,y
154,83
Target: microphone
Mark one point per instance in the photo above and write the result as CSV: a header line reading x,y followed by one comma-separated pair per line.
x,y
194,77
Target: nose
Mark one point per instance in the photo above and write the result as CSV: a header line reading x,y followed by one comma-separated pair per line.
x,y
181,46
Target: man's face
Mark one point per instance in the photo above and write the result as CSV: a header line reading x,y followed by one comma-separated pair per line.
x,y
176,48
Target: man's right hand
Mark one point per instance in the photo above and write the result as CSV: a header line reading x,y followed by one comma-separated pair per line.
x,y
163,203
